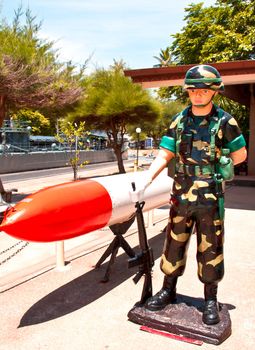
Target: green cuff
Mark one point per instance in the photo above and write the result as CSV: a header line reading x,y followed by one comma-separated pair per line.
x,y
236,144
168,143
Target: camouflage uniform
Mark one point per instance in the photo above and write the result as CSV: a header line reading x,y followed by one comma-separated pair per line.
x,y
194,197
199,144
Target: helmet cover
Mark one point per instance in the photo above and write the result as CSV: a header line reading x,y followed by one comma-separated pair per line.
x,y
203,77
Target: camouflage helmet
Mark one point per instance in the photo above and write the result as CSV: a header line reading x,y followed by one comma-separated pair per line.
x,y
203,77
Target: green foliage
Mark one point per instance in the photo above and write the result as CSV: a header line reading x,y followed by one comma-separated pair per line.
x,y
72,135
169,92
112,103
22,42
218,33
30,74
156,130
114,99
118,66
238,111
223,32
164,59
40,125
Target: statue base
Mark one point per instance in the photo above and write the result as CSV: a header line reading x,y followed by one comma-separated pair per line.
x,y
184,318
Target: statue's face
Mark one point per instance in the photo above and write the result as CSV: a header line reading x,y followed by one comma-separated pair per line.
x,y
201,97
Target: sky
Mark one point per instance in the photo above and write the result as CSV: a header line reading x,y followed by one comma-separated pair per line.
x,y
130,30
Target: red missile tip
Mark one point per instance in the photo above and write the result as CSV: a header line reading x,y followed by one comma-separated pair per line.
x,y
59,212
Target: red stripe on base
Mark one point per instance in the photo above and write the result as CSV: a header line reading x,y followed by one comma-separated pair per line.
x,y
170,335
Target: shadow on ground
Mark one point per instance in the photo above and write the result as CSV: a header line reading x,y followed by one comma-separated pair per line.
x,y
85,289
19,196
239,197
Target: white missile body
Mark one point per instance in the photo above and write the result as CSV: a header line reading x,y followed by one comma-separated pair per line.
x,y
72,209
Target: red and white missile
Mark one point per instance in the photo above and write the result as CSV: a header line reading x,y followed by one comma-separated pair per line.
x,y
75,208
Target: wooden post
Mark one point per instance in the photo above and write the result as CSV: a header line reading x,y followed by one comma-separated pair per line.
x,y
60,256
150,218
251,149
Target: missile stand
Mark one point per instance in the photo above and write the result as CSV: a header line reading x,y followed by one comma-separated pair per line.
x,y
118,242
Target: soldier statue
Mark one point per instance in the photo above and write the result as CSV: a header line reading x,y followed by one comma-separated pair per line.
x,y
205,142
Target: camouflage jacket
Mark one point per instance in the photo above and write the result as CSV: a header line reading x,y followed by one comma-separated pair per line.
x,y
195,150
195,138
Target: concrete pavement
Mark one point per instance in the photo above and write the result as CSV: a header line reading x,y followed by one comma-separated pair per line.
x,y
72,309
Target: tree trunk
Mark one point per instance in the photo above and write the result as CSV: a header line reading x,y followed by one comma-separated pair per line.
x,y
2,109
156,142
75,172
118,154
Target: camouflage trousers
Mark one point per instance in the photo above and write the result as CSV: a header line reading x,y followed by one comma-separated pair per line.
x,y
210,239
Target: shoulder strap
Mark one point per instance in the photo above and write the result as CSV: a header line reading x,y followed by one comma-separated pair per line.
x,y
180,128
213,129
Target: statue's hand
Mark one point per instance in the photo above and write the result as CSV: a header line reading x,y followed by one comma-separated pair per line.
x,y
141,183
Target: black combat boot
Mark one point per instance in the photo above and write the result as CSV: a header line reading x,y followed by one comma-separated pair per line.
x,y
211,310
165,296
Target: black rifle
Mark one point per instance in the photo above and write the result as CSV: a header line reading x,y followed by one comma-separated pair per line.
x,y
144,259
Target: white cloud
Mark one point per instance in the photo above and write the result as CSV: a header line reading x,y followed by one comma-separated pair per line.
x,y
133,30
114,5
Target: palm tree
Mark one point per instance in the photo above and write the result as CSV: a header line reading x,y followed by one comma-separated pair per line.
x,y
118,66
165,58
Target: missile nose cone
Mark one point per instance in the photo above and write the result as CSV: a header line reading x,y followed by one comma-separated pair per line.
x,y
10,215
59,212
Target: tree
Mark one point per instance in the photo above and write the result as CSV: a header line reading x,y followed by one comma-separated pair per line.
x,y
164,58
71,135
240,112
118,66
40,125
156,130
223,32
30,74
112,103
